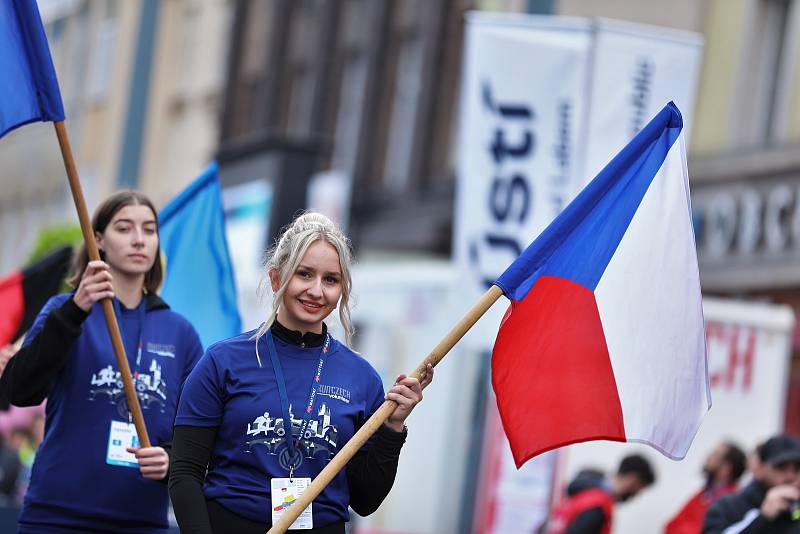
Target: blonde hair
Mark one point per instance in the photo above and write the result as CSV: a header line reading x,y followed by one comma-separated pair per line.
x,y
285,257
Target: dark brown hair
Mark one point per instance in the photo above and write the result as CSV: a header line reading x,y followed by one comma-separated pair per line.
x,y
100,220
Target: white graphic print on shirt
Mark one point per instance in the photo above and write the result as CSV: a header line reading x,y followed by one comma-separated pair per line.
x,y
150,388
319,440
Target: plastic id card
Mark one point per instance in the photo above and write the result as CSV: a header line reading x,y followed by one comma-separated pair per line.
x,y
284,493
120,437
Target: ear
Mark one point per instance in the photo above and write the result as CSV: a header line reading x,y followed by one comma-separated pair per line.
x,y
98,237
726,471
274,279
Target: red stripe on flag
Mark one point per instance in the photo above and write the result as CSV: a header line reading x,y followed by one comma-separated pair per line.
x,y
552,373
12,303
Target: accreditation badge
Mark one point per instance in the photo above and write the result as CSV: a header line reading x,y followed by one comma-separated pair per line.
x,y
120,437
284,492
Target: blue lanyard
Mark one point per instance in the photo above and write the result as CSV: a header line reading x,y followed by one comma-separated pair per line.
x,y
294,454
140,309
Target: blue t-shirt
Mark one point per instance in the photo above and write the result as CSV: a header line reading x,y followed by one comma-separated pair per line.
x,y
229,389
72,487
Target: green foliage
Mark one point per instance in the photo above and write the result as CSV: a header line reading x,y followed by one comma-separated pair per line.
x,y
53,237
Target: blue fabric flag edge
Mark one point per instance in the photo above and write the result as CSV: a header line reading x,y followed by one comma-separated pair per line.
x,y
208,178
39,60
520,276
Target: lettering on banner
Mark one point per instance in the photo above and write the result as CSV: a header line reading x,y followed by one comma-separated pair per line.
x,y
731,356
511,144
640,97
562,151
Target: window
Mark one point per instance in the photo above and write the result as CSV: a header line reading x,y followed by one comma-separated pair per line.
x,y
402,124
103,53
766,74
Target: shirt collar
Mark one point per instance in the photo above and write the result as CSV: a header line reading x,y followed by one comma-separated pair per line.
x,y
294,337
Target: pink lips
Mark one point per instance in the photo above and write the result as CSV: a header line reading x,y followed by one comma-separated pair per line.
x,y
312,307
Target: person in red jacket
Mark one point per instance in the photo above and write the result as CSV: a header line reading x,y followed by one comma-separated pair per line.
x,y
589,504
723,468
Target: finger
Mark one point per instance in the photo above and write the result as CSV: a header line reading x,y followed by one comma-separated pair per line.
x,y
152,462
407,380
152,468
156,474
96,287
405,391
148,458
132,450
406,396
100,295
151,451
427,376
402,402
411,383
101,276
97,265
92,268
400,378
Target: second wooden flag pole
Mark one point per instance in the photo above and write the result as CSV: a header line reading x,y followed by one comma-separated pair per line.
x,y
108,307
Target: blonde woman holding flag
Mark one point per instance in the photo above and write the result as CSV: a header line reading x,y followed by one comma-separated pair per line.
x,y
264,412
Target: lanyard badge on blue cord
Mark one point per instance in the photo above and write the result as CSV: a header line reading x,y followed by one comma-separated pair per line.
x,y
140,309
293,446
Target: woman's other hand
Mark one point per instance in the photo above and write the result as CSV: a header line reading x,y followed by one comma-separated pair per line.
x,y
153,461
407,393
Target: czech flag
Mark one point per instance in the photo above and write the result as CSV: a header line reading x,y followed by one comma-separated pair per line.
x,y
604,337
23,293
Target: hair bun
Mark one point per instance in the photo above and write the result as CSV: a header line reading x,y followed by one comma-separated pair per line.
x,y
313,219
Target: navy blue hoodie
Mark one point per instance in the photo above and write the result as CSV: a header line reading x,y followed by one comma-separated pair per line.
x,y
72,488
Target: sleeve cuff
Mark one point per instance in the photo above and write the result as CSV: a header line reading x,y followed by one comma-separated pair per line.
x,y
71,314
390,439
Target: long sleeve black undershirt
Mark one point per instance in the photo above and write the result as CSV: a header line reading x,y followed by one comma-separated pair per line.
x,y
30,374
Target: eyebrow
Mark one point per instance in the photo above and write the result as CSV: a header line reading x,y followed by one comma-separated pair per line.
x,y
307,268
130,221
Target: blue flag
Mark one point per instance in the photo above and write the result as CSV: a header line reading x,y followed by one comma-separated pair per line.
x,y
199,277
28,85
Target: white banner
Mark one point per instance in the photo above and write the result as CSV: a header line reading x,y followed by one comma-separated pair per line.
x,y
521,103
636,71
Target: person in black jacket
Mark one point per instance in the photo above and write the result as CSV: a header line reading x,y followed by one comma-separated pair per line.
x,y
771,502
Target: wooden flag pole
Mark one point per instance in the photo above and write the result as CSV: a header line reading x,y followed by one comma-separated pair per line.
x,y
108,307
381,414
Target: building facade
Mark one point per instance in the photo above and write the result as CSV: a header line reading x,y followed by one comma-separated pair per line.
x,y
141,84
745,162
366,90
